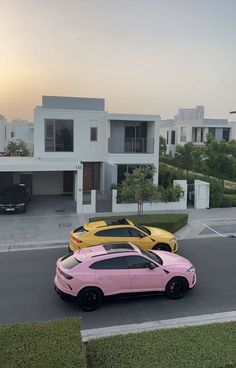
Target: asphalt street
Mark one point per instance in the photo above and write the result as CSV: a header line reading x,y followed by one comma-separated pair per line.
x,y
27,292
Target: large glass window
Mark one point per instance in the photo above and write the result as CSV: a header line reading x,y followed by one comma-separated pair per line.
x,y
183,134
59,135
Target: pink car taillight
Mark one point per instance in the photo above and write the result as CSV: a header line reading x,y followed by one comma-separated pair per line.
x,y
68,277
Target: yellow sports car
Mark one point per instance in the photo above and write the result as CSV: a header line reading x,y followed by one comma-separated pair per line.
x,y
123,230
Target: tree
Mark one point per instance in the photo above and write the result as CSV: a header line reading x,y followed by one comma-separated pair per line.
x,y
219,159
189,157
17,148
138,188
162,146
183,156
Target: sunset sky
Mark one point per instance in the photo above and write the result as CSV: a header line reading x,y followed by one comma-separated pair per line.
x,y
142,56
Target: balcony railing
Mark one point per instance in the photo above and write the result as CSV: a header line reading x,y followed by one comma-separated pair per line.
x,y
131,145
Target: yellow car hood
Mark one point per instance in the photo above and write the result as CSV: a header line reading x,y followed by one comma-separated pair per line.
x,y
155,231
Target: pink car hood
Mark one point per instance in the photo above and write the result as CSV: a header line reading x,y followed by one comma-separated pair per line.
x,y
173,260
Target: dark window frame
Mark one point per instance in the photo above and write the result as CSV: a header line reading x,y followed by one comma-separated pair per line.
x,y
93,134
52,135
172,140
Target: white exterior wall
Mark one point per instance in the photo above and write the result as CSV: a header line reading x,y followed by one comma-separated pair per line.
x,y
83,120
47,183
90,208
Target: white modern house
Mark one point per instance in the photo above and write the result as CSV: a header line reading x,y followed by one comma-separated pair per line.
x,y
5,134
79,147
190,125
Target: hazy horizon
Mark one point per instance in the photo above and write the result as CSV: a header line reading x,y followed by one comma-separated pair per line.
x,y
150,57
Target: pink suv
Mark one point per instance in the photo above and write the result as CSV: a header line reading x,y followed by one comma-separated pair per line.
x,y
121,268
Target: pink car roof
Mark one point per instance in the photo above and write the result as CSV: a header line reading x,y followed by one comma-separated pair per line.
x,y
99,250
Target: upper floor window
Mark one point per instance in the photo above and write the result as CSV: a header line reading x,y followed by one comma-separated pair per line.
x,y
212,131
172,137
226,134
93,134
183,134
59,135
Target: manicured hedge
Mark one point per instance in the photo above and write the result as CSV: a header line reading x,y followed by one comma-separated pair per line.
x,y
229,200
54,344
169,173
211,346
169,222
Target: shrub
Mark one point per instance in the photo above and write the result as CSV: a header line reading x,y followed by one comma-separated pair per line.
x,y
230,198
226,202
168,174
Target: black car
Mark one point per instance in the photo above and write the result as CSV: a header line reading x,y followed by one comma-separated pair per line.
x,y
15,199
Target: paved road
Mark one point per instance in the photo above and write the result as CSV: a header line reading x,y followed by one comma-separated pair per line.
x,y
26,288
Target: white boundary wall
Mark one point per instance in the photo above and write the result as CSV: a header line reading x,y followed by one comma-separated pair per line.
x,y
201,194
90,208
149,207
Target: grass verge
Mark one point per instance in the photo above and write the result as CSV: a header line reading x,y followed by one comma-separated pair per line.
x,y
211,346
57,344
42,345
169,222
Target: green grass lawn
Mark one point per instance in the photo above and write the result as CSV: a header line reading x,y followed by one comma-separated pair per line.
x,y
211,346
170,222
57,344
42,345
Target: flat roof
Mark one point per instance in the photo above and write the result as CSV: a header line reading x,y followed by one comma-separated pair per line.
x,y
73,103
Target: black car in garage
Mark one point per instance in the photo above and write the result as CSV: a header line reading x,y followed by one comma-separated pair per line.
x,y
15,199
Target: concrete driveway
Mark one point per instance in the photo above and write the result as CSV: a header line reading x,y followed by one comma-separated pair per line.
x,y
51,205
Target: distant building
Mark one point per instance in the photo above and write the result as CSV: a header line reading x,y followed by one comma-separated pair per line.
x,y
190,125
23,130
5,134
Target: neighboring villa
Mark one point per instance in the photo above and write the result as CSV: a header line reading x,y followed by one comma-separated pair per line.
x,y
23,130
16,130
190,125
5,134
78,147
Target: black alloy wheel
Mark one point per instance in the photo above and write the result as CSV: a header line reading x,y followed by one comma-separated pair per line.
x,y
90,299
176,288
162,246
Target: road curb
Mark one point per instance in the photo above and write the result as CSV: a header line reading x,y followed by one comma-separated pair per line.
x,y
31,246
204,319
